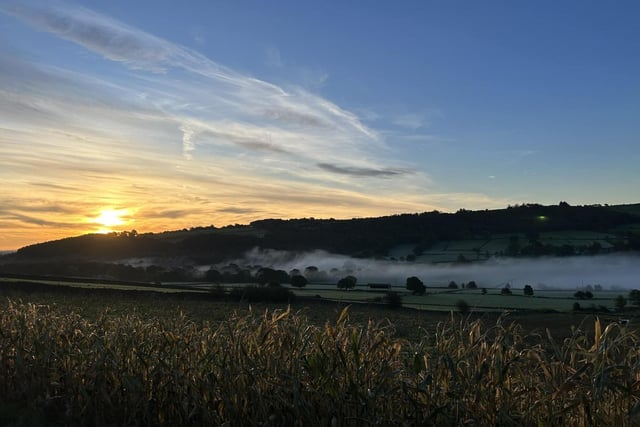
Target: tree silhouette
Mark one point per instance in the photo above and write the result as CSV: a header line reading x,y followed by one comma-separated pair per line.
x,y
634,297
348,282
620,302
415,285
298,281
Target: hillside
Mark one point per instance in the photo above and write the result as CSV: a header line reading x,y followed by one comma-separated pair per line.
x,y
520,230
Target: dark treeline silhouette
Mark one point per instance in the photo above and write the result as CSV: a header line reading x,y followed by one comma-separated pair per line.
x,y
365,237
370,237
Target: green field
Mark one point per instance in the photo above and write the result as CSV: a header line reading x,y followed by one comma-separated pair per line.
x,y
481,248
435,299
444,299
93,285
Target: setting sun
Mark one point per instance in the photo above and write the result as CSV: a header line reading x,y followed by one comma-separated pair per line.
x,y
110,218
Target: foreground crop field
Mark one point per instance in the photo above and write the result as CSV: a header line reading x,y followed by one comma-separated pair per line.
x,y
77,361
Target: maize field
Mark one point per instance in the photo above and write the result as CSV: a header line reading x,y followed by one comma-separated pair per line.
x,y
275,368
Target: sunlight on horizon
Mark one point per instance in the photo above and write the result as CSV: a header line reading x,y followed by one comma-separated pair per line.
x,y
109,218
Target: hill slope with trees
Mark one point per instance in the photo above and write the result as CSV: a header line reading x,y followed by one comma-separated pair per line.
x,y
359,237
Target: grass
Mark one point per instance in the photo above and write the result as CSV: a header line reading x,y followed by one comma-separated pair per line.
x,y
438,299
94,285
445,299
154,360
543,300
448,251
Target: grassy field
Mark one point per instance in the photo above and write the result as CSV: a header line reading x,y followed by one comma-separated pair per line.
x,y
472,249
94,285
99,357
444,299
435,299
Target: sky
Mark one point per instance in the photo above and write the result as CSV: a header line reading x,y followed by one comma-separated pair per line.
x,y
162,115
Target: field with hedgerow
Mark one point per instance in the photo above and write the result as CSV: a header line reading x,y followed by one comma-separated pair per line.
x,y
128,358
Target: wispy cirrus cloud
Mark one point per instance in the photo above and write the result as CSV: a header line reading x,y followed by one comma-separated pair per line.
x,y
180,137
359,171
140,50
236,103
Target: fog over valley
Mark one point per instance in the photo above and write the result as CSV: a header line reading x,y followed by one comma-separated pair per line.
x,y
609,271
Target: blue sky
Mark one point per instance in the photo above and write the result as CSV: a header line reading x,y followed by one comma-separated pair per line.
x,y
167,115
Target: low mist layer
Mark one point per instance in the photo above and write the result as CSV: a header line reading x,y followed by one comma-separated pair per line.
x,y
609,271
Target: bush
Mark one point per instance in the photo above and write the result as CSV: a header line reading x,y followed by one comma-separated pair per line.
x,y
262,294
462,306
217,292
620,302
393,299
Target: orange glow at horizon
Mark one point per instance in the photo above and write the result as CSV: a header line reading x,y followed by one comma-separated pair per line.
x,y
109,218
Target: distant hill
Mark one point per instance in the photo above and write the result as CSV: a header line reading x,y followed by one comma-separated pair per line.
x,y
362,237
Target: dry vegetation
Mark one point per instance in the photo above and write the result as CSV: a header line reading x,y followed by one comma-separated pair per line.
x,y
280,368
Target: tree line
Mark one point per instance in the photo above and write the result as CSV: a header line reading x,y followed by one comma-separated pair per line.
x,y
360,237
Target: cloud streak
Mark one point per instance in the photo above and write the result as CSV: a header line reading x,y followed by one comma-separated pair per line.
x,y
176,137
358,171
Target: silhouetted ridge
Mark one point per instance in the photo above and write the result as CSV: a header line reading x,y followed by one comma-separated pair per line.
x,y
364,237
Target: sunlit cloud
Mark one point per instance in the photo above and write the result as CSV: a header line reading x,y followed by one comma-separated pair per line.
x,y
178,139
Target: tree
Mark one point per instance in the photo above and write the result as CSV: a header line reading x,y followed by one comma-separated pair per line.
x,y
620,302
298,281
528,290
348,282
484,291
506,290
514,246
295,272
579,295
267,275
452,285
415,285
472,285
634,297
312,269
